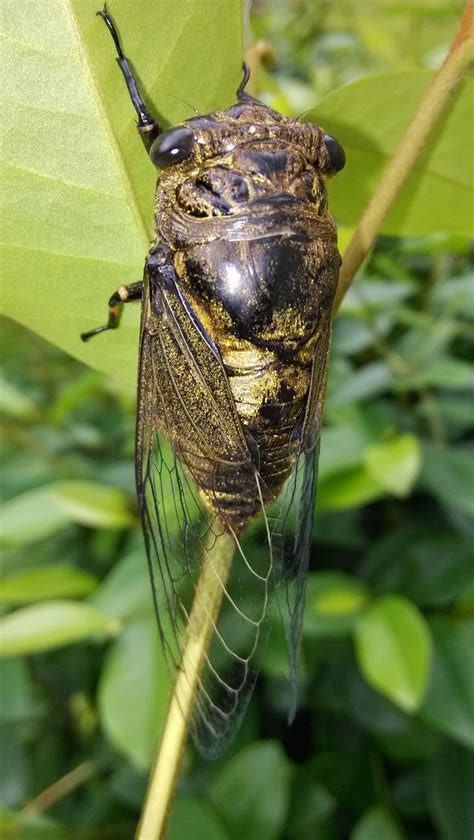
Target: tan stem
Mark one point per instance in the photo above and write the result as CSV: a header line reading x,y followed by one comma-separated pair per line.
x,y
61,788
414,140
206,605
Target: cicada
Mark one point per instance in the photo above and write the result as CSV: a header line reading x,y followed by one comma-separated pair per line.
x,y
236,300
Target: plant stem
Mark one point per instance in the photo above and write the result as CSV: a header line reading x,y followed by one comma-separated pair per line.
x,y
61,788
429,111
206,605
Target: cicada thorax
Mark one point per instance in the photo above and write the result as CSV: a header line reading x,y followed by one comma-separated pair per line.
x,y
254,252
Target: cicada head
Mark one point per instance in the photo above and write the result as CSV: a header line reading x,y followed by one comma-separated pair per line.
x,y
244,160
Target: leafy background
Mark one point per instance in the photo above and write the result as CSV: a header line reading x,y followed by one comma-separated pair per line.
x,y
384,737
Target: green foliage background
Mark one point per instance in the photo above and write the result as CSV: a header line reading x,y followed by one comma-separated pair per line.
x,y
383,742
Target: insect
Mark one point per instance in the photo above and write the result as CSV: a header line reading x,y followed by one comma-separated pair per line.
x,y
236,316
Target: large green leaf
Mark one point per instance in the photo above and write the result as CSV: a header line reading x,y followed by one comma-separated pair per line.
x,y
78,188
369,117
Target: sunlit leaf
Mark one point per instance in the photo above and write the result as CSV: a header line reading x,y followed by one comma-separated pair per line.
x,y
348,488
31,516
46,582
51,624
394,463
38,513
93,504
393,649
333,602
77,185
369,123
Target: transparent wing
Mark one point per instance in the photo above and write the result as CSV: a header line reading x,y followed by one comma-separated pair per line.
x,y
197,484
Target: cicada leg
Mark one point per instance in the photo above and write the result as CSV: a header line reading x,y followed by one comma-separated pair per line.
x,y
147,126
124,294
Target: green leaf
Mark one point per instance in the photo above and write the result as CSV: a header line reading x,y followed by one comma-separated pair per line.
x,y
450,783
449,474
438,566
465,602
77,183
31,516
23,826
44,583
442,371
455,295
14,403
368,381
393,648
346,774
449,703
402,738
191,817
51,624
394,463
13,768
334,600
408,792
251,791
341,448
348,488
93,504
16,695
430,565
311,808
38,513
375,825
135,676
370,295
437,194
126,591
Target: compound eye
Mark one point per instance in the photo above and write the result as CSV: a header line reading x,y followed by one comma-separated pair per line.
x,y
337,157
172,147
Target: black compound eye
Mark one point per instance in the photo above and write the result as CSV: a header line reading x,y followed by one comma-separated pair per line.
x,y
172,147
336,153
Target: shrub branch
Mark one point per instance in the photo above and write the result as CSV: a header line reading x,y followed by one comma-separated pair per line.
x,y
414,140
